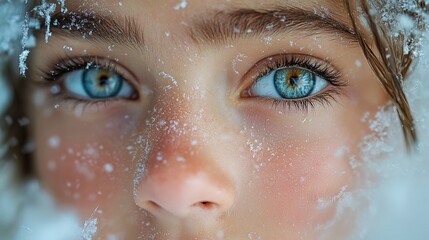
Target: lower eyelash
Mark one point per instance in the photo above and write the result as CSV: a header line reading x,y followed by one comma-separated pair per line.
x,y
80,105
324,99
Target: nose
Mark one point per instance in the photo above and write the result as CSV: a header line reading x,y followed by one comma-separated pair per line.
x,y
183,183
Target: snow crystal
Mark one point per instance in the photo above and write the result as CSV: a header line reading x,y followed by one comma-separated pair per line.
x,y
108,167
168,76
55,89
45,10
68,48
358,63
22,59
63,6
89,228
54,141
237,59
181,5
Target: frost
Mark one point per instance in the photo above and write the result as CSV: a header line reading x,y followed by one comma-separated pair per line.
x,y
358,63
63,5
89,228
54,141
27,212
237,59
168,76
22,62
268,40
11,24
391,194
108,167
45,10
68,48
181,5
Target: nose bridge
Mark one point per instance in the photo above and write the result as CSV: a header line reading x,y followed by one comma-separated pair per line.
x,y
181,173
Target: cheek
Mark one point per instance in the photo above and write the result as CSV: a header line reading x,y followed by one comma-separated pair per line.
x,y
86,170
300,169
299,177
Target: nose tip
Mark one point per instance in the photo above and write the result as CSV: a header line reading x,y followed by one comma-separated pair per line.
x,y
184,196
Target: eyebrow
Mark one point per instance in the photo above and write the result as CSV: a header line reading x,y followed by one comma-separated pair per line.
x,y
110,29
223,27
217,28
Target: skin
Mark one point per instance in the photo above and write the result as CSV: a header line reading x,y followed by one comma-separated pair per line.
x,y
217,164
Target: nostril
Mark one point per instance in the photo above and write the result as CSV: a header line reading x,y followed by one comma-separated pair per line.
x,y
154,204
205,205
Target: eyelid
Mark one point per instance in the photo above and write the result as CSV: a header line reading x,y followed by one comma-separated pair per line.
x,y
313,64
69,64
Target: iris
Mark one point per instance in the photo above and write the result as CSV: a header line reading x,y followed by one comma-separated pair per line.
x,y
294,82
101,83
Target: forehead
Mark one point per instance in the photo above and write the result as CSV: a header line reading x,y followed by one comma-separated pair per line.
x,y
207,20
171,10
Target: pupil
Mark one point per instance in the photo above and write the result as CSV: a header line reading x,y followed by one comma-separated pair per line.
x,y
294,81
104,80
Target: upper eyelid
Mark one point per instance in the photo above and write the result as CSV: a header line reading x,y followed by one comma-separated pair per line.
x,y
78,63
306,61
261,67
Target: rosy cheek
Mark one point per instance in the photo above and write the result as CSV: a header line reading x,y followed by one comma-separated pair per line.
x,y
299,170
299,179
81,169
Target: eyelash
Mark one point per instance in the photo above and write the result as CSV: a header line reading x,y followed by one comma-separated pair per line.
x,y
263,67
323,70
70,64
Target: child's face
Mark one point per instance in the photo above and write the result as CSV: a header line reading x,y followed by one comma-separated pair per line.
x,y
211,122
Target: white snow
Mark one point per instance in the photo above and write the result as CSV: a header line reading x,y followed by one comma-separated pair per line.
x,y
181,5
54,141
45,10
108,167
22,62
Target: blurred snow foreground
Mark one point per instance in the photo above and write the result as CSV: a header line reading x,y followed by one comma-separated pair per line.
x,y
395,206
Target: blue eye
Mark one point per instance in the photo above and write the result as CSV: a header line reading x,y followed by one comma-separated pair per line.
x,y
97,83
288,83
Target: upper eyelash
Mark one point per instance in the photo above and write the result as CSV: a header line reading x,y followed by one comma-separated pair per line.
x,y
321,69
70,64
